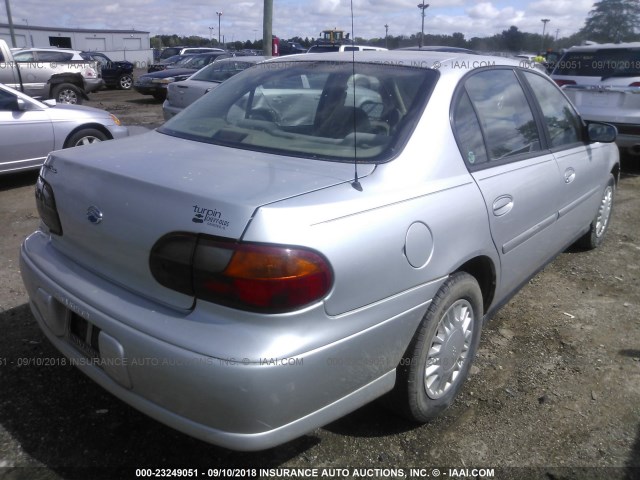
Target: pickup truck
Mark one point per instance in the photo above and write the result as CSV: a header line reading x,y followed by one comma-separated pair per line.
x,y
65,82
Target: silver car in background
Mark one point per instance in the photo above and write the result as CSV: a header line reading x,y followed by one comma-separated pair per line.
x,y
316,232
30,129
603,82
182,94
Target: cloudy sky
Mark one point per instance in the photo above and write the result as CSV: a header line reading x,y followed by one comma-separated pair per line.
x,y
242,19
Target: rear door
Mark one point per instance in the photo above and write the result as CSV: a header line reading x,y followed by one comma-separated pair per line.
x,y
499,138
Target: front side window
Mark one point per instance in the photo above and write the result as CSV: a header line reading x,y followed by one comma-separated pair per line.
x,y
311,109
563,124
504,114
23,57
8,101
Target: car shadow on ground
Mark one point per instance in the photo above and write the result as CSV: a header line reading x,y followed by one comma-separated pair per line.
x,y
66,423
17,180
633,463
149,100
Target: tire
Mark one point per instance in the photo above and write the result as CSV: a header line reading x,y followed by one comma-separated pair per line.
x,y
85,136
125,81
600,224
66,93
441,352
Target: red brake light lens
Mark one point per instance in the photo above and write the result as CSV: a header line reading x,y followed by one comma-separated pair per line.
x,y
562,83
247,276
46,205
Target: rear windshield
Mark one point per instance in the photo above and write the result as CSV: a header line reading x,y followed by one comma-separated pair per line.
x,y
311,109
604,63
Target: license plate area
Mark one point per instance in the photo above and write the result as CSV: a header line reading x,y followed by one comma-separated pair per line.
x,y
84,336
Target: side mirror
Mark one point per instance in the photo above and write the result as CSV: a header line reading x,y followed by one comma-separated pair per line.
x,y
601,132
21,105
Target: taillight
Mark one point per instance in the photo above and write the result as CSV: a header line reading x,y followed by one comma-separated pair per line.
x,y
46,204
561,83
247,276
635,84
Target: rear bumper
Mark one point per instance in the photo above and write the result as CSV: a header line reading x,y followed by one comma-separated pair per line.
x,y
150,89
243,402
93,84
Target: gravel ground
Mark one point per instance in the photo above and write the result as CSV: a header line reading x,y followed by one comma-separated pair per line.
x,y
554,392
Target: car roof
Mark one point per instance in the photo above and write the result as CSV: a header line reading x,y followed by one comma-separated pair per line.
x,y
46,49
242,58
604,46
407,58
440,48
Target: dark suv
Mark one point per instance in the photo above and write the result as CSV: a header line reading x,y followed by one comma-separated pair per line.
x,y
116,74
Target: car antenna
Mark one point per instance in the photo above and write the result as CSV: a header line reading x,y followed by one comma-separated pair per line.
x,y
356,183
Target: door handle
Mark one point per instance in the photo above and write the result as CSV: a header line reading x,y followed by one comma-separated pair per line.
x,y
502,205
569,175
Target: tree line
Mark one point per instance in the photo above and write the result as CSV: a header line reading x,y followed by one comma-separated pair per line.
x,y
608,21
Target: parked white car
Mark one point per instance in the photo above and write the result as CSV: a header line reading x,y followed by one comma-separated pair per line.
x,y
182,94
603,82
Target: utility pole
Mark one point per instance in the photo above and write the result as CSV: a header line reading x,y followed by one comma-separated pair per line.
x,y
422,6
10,21
544,26
267,28
219,15
386,35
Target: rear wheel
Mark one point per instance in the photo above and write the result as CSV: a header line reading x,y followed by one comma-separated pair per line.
x,y
66,93
86,136
440,354
600,224
125,82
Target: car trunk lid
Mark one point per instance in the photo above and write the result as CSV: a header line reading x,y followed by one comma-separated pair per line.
x,y
116,199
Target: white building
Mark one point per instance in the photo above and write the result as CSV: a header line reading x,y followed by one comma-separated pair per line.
x,y
131,45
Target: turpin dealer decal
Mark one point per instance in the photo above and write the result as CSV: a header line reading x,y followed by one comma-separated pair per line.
x,y
208,216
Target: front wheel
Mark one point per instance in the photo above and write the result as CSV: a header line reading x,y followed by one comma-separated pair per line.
x,y
86,136
66,93
125,82
440,354
600,224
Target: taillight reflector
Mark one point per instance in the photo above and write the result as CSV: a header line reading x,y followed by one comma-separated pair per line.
x,y
247,276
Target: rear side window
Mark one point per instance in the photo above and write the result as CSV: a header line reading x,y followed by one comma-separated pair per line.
x,y
563,124
468,132
504,114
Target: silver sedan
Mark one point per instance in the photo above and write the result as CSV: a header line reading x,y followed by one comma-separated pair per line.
x,y
30,129
316,232
182,94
